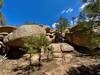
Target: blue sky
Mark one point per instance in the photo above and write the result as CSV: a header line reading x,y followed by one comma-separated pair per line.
x,y
16,12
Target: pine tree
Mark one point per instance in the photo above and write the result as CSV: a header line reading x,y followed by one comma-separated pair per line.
x,y
1,2
92,10
62,24
92,13
34,44
2,20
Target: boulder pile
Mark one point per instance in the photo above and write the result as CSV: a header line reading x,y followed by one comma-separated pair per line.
x,y
4,31
16,38
62,52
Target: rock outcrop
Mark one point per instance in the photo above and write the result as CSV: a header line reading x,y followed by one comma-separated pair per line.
x,y
15,38
63,61
62,51
1,44
84,38
7,29
2,35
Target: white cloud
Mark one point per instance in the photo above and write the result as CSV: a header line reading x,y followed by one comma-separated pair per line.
x,y
74,22
71,22
54,25
62,12
67,11
84,5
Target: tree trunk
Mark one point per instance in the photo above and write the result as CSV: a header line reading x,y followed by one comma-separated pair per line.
x,y
30,60
39,59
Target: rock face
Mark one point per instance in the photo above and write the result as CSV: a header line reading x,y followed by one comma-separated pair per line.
x,y
2,35
62,52
8,67
66,47
7,29
56,47
79,39
82,38
15,38
62,47
1,44
50,34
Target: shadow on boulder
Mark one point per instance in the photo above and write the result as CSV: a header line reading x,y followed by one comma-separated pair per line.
x,y
85,70
15,53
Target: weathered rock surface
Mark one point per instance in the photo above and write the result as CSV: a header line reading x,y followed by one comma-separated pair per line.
x,y
48,68
83,38
63,55
15,38
7,29
47,29
56,47
68,57
62,52
57,55
1,44
35,59
62,47
50,39
66,47
2,35
80,39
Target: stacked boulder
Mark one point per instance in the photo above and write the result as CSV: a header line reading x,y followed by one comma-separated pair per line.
x,y
2,35
62,52
51,35
4,31
57,53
